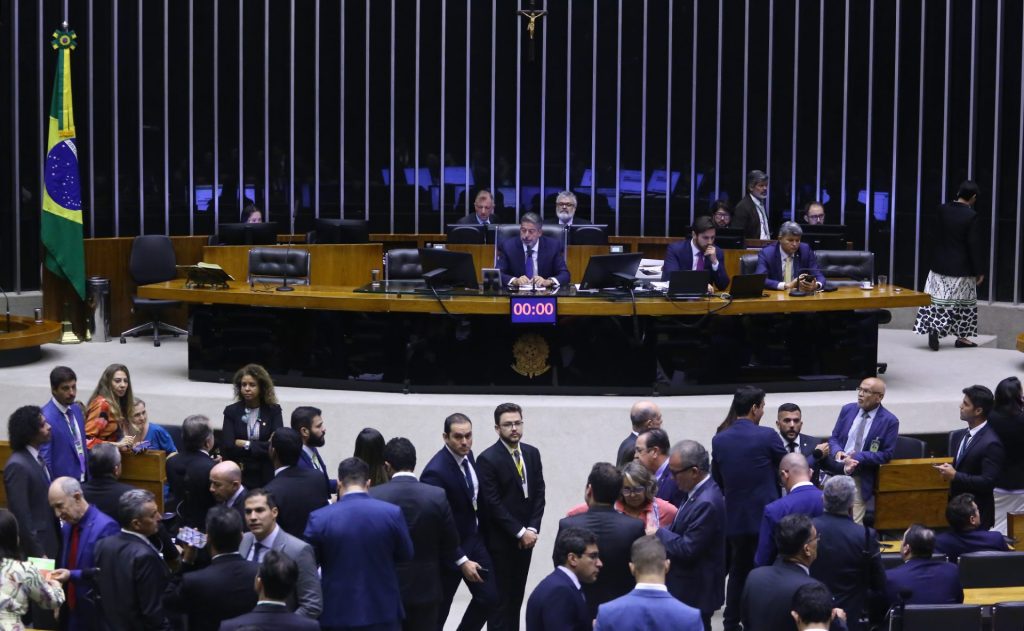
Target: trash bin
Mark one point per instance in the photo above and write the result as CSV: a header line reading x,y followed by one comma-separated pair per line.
x,y
98,321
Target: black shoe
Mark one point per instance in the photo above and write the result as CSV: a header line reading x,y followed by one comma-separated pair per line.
x,y
962,343
933,341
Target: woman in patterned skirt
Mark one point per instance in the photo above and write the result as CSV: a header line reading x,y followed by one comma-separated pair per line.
x,y
955,272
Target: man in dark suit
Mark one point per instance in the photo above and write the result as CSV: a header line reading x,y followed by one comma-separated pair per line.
x,y
790,424
226,486
848,562
652,452
103,489
132,577
649,607
298,491
365,537
453,470
531,258
512,503
84,525
434,537
695,543
27,482
65,453
558,603
862,440
615,536
751,214
698,253
644,415
788,263
483,210
978,454
565,210
744,461
309,423
801,497
188,473
274,582
221,590
966,534
922,580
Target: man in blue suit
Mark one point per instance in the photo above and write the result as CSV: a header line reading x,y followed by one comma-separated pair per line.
x,y
531,258
698,253
65,454
744,461
922,580
695,543
801,497
652,448
309,423
84,525
863,439
275,581
453,469
557,603
788,263
966,534
359,536
649,607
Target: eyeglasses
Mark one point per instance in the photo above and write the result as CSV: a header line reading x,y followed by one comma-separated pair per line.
x,y
683,470
634,490
565,205
511,425
813,539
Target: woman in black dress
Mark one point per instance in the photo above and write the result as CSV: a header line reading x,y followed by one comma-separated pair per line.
x,y
248,424
1007,420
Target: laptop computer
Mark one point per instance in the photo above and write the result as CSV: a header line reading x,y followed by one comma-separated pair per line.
x,y
747,286
687,285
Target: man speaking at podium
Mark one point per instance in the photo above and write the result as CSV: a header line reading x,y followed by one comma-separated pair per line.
x,y
531,258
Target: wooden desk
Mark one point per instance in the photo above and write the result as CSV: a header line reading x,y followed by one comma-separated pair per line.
x,y
330,264
21,344
911,491
993,595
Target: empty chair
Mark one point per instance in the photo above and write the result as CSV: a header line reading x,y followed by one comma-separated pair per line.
x,y
748,264
403,264
274,265
907,447
933,617
1008,616
152,261
846,267
466,234
991,569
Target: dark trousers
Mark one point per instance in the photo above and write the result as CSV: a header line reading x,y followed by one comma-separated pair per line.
x,y
421,616
485,595
741,561
705,617
511,565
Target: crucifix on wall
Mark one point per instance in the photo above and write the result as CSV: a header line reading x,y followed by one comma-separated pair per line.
x,y
532,14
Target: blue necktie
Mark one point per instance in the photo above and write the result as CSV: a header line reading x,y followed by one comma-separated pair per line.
x,y
469,476
530,273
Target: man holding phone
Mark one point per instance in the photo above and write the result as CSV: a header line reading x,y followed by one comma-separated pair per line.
x,y
789,264
698,253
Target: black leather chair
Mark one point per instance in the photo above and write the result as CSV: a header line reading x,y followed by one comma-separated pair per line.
x,y
891,560
506,231
273,265
152,261
844,268
932,617
907,447
467,234
748,264
403,264
991,569
1008,616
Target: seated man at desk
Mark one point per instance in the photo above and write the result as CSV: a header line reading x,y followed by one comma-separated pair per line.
x,y
531,258
483,207
789,264
698,253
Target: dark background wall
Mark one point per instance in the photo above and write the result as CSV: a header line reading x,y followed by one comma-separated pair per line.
x,y
308,102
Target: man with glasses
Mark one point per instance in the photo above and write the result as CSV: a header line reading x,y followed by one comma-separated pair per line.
x,y
814,213
512,503
864,438
695,543
565,209
483,207
558,603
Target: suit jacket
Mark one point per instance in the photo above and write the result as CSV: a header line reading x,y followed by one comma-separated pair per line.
x,y
471,219
769,262
804,500
307,600
1010,430
104,492
131,584
508,510
550,260
198,499
668,490
745,461
768,596
298,492
306,463
433,533
696,546
443,473
615,536
257,470
627,450
953,544
271,616
959,243
848,563
27,497
647,610
977,469
557,605
221,590
745,216
365,537
930,582
885,428
60,454
93,526
679,256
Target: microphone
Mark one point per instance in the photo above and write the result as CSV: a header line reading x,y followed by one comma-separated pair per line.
x,y
284,278
7,309
818,454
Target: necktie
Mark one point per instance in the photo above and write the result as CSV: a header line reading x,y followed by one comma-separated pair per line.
x,y
787,269
858,437
469,476
698,264
77,439
73,563
519,464
763,218
257,552
792,447
963,447
316,461
530,272
42,463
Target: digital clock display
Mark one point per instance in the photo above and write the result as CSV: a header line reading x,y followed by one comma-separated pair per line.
x,y
533,309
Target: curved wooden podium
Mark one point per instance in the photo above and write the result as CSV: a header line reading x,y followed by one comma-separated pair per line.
x,y
21,344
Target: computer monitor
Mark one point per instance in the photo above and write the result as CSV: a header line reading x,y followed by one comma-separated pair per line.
x,y
447,268
594,234
248,233
825,236
611,270
341,231
729,238
466,233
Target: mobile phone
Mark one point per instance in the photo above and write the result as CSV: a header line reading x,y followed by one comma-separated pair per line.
x,y
482,571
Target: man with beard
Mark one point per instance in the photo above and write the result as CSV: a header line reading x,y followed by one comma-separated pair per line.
x,y
751,214
309,423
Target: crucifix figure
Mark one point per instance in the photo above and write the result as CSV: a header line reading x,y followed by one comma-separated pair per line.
x,y
532,14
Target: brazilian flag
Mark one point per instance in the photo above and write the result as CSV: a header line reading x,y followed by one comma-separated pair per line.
x,y
61,224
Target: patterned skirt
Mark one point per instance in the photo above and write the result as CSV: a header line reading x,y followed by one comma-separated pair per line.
x,y
954,308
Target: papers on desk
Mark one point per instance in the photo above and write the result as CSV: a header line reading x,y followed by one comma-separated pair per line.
x,y
649,268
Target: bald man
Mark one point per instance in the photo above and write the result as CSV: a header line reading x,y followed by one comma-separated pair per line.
x,y
801,497
226,486
644,415
864,438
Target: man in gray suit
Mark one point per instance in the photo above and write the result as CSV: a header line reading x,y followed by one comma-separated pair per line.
x,y
264,534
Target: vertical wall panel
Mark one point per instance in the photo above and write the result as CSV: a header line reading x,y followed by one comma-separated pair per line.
x,y
693,113
191,118
215,89
893,203
291,118
568,98
316,108
868,196
1020,192
593,120
16,143
241,105
618,119
90,108
920,148
342,99
943,183
768,114
997,119
138,79
796,100
166,127
266,109
668,117
643,133
821,96
114,116
718,103
846,111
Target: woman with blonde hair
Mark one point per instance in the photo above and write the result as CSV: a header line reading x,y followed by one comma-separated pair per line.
x,y
109,407
248,424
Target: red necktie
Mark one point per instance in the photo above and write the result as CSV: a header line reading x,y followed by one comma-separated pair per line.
x,y
73,563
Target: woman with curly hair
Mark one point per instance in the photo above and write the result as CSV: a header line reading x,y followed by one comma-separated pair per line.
x,y
111,403
248,424
20,582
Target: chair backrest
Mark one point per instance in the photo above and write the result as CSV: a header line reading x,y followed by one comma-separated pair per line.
x,y
907,447
932,617
506,231
152,259
991,569
1008,616
748,264
468,233
846,267
892,560
403,264
267,265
